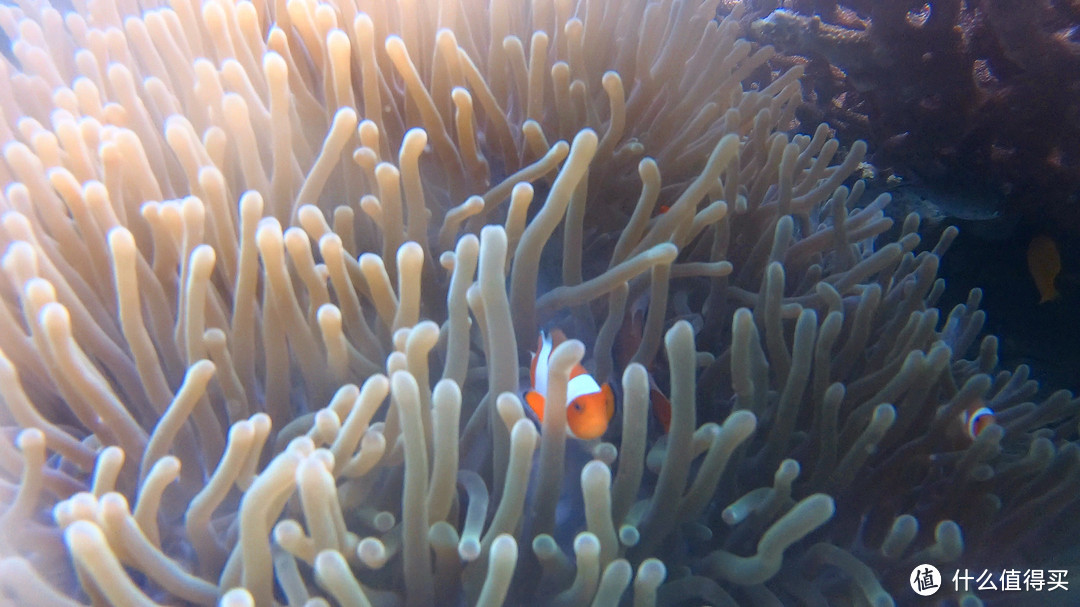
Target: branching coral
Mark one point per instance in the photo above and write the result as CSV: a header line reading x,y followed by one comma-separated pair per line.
x,y
271,273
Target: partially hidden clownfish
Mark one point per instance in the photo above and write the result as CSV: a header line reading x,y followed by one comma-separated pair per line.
x,y
626,345
976,418
589,405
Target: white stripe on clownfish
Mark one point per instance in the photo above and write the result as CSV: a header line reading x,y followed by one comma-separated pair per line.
x,y
977,419
540,364
581,385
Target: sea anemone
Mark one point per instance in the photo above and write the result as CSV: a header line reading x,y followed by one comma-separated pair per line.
x,y
272,271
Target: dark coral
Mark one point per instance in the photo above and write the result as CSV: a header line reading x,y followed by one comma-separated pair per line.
x,y
980,93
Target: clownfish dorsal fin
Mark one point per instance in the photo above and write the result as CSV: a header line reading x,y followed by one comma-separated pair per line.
x,y
540,376
557,337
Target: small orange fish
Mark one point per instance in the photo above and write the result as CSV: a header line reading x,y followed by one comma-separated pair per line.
x,y
589,405
1044,263
977,418
626,346
661,405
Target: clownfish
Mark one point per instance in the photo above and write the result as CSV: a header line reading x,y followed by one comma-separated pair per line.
x,y
589,405
977,418
661,405
627,342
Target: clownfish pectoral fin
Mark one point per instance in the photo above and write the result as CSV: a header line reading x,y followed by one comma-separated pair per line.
x,y
535,400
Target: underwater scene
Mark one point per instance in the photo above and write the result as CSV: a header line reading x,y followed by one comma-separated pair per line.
x,y
287,288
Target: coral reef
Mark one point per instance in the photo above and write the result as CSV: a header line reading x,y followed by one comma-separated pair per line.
x,y
979,96
271,272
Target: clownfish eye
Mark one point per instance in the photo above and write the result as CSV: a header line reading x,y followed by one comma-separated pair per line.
x,y
577,406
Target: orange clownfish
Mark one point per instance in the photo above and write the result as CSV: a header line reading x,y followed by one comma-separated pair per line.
x,y
976,419
589,405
